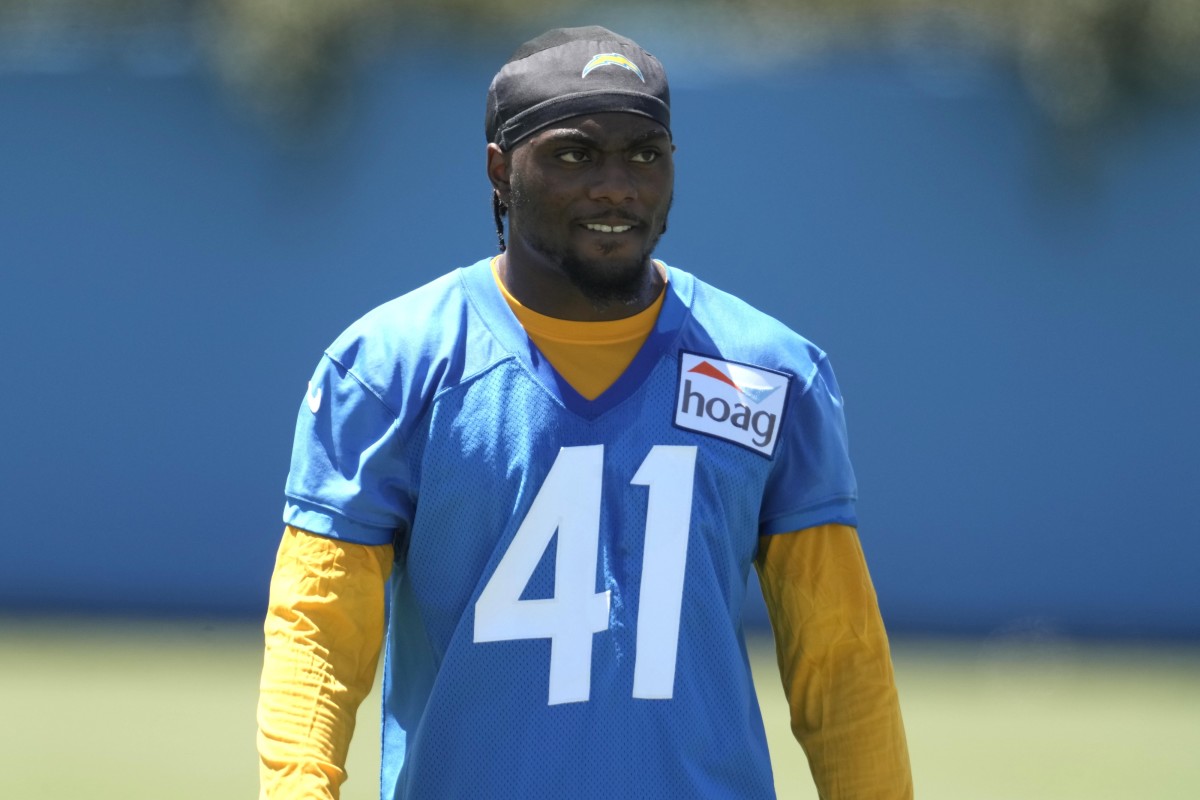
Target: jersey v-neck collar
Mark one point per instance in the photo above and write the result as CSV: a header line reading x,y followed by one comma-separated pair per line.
x,y
490,303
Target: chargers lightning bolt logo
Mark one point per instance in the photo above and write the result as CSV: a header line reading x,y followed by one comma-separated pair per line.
x,y
612,60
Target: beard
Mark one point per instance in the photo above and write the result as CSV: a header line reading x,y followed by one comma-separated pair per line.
x,y
606,280
604,283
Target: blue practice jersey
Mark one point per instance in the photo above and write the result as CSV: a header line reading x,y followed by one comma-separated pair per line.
x,y
565,610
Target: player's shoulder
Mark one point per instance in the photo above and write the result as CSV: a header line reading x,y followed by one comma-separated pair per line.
x,y
402,340
403,319
739,331
399,326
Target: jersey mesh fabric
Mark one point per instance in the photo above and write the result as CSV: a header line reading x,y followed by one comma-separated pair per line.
x,y
630,746
479,425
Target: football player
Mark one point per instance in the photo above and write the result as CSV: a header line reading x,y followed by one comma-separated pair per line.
x,y
554,469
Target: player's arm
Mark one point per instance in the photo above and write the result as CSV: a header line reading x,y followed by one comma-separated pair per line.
x,y
835,663
324,630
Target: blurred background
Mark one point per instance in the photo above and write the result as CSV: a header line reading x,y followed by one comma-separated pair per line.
x,y
984,211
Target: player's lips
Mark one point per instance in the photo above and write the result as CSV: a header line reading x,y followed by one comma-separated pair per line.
x,y
610,225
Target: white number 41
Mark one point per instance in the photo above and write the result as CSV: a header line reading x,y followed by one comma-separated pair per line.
x,y
569,503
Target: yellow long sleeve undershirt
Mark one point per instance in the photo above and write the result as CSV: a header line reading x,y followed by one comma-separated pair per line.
x,y
325,627
835,662
324,631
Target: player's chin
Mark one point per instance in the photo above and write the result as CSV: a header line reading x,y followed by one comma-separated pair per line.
x,y
610,275
628,248
617,265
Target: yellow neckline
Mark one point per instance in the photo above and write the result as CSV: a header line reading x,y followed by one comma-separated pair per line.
x,y
579,332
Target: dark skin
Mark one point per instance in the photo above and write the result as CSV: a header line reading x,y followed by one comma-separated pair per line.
x,y
587,200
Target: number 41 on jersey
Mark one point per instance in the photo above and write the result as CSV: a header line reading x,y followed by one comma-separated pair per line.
x,y
568,503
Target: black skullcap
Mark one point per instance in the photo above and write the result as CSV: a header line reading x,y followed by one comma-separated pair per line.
x,y
568,72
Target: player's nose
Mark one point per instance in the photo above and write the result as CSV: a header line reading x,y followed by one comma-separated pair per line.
x,y
613,182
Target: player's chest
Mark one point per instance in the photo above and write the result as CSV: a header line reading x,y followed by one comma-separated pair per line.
x,y
505,435
506,469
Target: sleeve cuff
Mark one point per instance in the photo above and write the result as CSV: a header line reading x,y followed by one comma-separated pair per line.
x,y
839,511
327,522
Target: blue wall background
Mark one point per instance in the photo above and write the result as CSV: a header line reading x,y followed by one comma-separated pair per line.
x,y
1013,318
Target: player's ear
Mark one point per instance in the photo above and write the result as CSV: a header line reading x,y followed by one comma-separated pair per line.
x,y
498,170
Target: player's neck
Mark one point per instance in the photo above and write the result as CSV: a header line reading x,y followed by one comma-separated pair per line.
x,y
543,287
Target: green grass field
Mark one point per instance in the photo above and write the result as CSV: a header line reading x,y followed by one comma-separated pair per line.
x,y
167,711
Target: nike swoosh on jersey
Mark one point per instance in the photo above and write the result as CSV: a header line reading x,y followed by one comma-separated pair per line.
x,y
314,398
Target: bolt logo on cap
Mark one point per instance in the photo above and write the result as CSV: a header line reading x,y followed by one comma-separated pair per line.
x,y
612,60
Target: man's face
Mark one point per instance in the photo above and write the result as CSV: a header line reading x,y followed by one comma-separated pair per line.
x,y
590,197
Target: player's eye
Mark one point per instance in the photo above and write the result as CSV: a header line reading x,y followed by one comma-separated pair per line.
x,y
647,156
573,156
